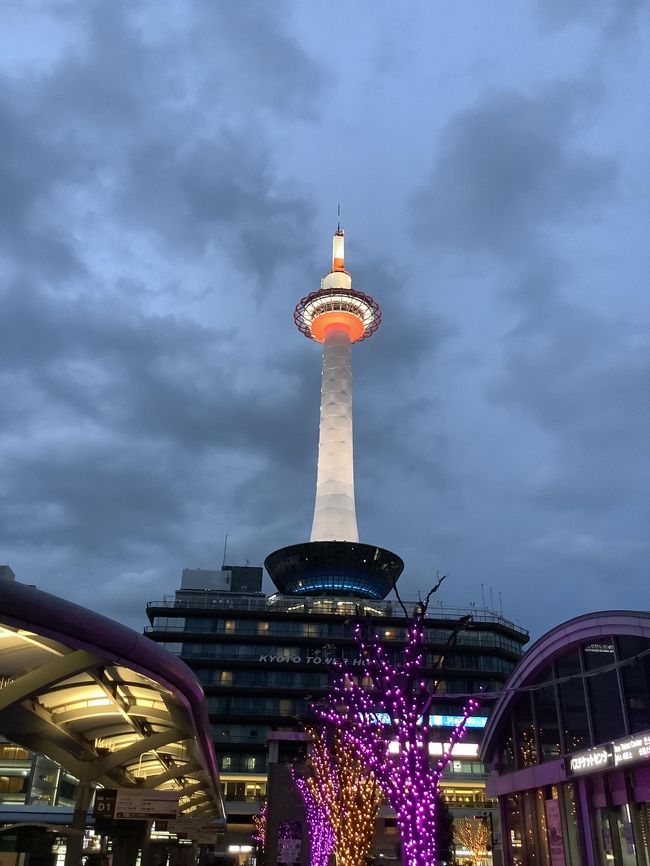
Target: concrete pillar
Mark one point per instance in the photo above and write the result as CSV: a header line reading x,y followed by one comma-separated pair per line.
x,y
74,842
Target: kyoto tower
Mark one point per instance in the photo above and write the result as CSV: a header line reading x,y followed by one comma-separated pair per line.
x,y
334,561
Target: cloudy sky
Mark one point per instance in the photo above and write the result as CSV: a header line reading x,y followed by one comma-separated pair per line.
x,y
169,177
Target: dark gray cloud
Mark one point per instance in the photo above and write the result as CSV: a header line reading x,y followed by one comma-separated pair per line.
x,y
123,419
615,17
164,172
583,380
507,169
513,178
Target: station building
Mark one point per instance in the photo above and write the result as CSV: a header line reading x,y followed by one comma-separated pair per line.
x,y
263,658
568,746
87,703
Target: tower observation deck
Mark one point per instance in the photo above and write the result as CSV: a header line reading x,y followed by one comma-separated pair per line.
x,y
334,561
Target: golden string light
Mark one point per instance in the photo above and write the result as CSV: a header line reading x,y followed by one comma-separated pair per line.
x,y
349,794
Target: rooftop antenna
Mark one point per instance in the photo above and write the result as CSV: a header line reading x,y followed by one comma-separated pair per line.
x,y
225,548
338,214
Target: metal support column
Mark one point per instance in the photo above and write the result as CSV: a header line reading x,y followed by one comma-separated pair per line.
x,y
74,844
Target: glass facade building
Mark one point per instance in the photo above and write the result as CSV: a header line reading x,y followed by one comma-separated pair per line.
x,y
568,745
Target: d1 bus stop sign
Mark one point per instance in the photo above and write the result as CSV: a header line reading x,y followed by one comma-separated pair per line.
x,y
133,804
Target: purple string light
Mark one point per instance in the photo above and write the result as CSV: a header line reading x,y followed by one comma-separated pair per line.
x,y
359,704
321,832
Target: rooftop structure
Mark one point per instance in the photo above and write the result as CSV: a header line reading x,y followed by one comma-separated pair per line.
x,y
333,561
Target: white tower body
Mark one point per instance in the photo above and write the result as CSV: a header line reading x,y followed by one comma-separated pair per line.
x,y
334,562
336,316
335,517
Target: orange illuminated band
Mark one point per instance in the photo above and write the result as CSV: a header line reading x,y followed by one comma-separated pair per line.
x,y
341,319
356,311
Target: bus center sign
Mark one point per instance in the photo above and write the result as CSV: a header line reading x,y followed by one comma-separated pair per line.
x,y
618,753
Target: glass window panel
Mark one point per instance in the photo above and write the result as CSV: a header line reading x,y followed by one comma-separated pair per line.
x,y
541,830
605,706
525,743
530,829
570,824
573,706
548,727
603,691
604,837
622,821
636,681
598,654
508,753
514,830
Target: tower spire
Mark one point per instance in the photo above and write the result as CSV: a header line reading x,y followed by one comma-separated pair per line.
x,y
338,250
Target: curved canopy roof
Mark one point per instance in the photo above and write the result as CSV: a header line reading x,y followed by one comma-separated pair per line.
x,y
550,646
103,701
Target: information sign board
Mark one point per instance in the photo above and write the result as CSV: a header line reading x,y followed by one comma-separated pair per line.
x,y
135,804
631,749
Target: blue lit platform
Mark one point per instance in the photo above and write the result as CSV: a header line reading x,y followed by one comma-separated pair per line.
x,y
334,568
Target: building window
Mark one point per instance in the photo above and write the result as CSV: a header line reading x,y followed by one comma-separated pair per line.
x,y
226,762
13,784
548,726
604,693
507,759
573,705
10,752
636,681
254,792
525,744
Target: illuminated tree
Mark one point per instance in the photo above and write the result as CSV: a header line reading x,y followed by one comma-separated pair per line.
x,y
382,710
321,831
473,834
348,793
260,824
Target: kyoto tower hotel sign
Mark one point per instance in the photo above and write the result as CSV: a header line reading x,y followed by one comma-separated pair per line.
x,y
334,562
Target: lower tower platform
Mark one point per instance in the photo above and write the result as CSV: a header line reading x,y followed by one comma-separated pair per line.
x,y
337,568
